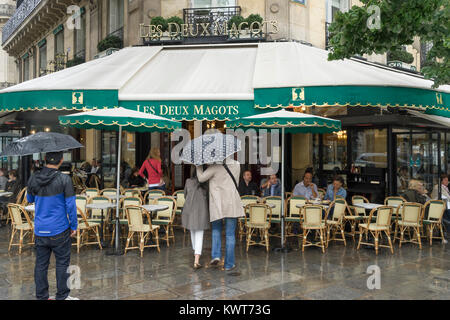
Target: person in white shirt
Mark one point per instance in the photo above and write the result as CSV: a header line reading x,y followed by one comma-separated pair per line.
x,y
306,188
445,194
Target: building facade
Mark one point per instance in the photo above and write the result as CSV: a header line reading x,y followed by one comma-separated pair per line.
x,y
7,65
44,36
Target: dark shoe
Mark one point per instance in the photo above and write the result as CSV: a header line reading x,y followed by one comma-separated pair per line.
x,y
214,262
231,269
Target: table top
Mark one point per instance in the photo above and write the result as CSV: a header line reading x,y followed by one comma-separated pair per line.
x,y
101,206
30,208
368,206
5,194
121,196
301,205
155,207
271,205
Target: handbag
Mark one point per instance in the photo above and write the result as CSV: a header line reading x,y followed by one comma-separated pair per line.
x,y
161,181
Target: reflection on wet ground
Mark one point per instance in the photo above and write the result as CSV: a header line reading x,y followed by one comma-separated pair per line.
x,y
340,273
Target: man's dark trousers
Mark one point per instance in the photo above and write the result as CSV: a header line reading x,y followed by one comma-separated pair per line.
x,y
60,245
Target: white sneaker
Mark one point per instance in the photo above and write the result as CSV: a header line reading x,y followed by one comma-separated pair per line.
x,y
71,298
444,241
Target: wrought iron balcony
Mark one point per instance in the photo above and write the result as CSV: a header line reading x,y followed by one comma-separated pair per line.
x,y
22,12
215,16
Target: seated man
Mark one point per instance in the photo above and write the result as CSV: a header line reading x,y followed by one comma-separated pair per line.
x,y
306,188
336,189
14,186
247,186
271,186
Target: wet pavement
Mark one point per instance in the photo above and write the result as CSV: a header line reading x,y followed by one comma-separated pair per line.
x,y
340,273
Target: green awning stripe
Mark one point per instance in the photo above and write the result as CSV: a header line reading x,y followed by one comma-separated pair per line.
x,y
352,95
111,123
58,100
42,43
195,109
58,29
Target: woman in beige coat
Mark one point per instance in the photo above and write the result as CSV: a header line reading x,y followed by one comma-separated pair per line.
x,y
225,207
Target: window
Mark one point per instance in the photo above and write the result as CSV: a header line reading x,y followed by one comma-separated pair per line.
x,y
335,151
26,68
369,148
212,3
42,59
80,38
334,6
59,43
115,15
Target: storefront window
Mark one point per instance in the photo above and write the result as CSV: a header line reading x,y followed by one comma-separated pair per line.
x,y
335,151
129,148
108,159
6,138
369,148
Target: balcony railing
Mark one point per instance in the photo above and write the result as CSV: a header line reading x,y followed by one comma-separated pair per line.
x,y
215,16
22,12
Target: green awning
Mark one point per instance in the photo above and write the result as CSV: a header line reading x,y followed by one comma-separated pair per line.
x,y
422,99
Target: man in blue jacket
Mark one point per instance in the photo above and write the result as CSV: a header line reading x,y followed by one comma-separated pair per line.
x,y
55,223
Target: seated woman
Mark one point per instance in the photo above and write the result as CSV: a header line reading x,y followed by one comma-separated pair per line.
x,y
336,189
416,192
134,179
445,194
13,185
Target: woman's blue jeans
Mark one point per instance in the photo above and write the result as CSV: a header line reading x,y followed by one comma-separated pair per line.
x,y
230,238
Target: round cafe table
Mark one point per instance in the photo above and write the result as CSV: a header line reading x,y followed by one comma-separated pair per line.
x,y
6,194
271,205
30,208
102,207
113,198
155,207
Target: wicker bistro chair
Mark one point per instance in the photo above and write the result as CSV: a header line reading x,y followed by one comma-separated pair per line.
x,y
180,199
433,213
131,193
382,224
313,221
275,217
91,192
109,192
24,226
124,202
335,220
293,214
84,227
394,202
165,218
20,199
322,193
411,215
81,202
77,184
258,222
96,214
153,192
135,216
246,200
357,214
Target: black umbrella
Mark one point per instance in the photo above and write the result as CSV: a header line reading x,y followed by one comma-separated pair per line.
x,y
40,142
